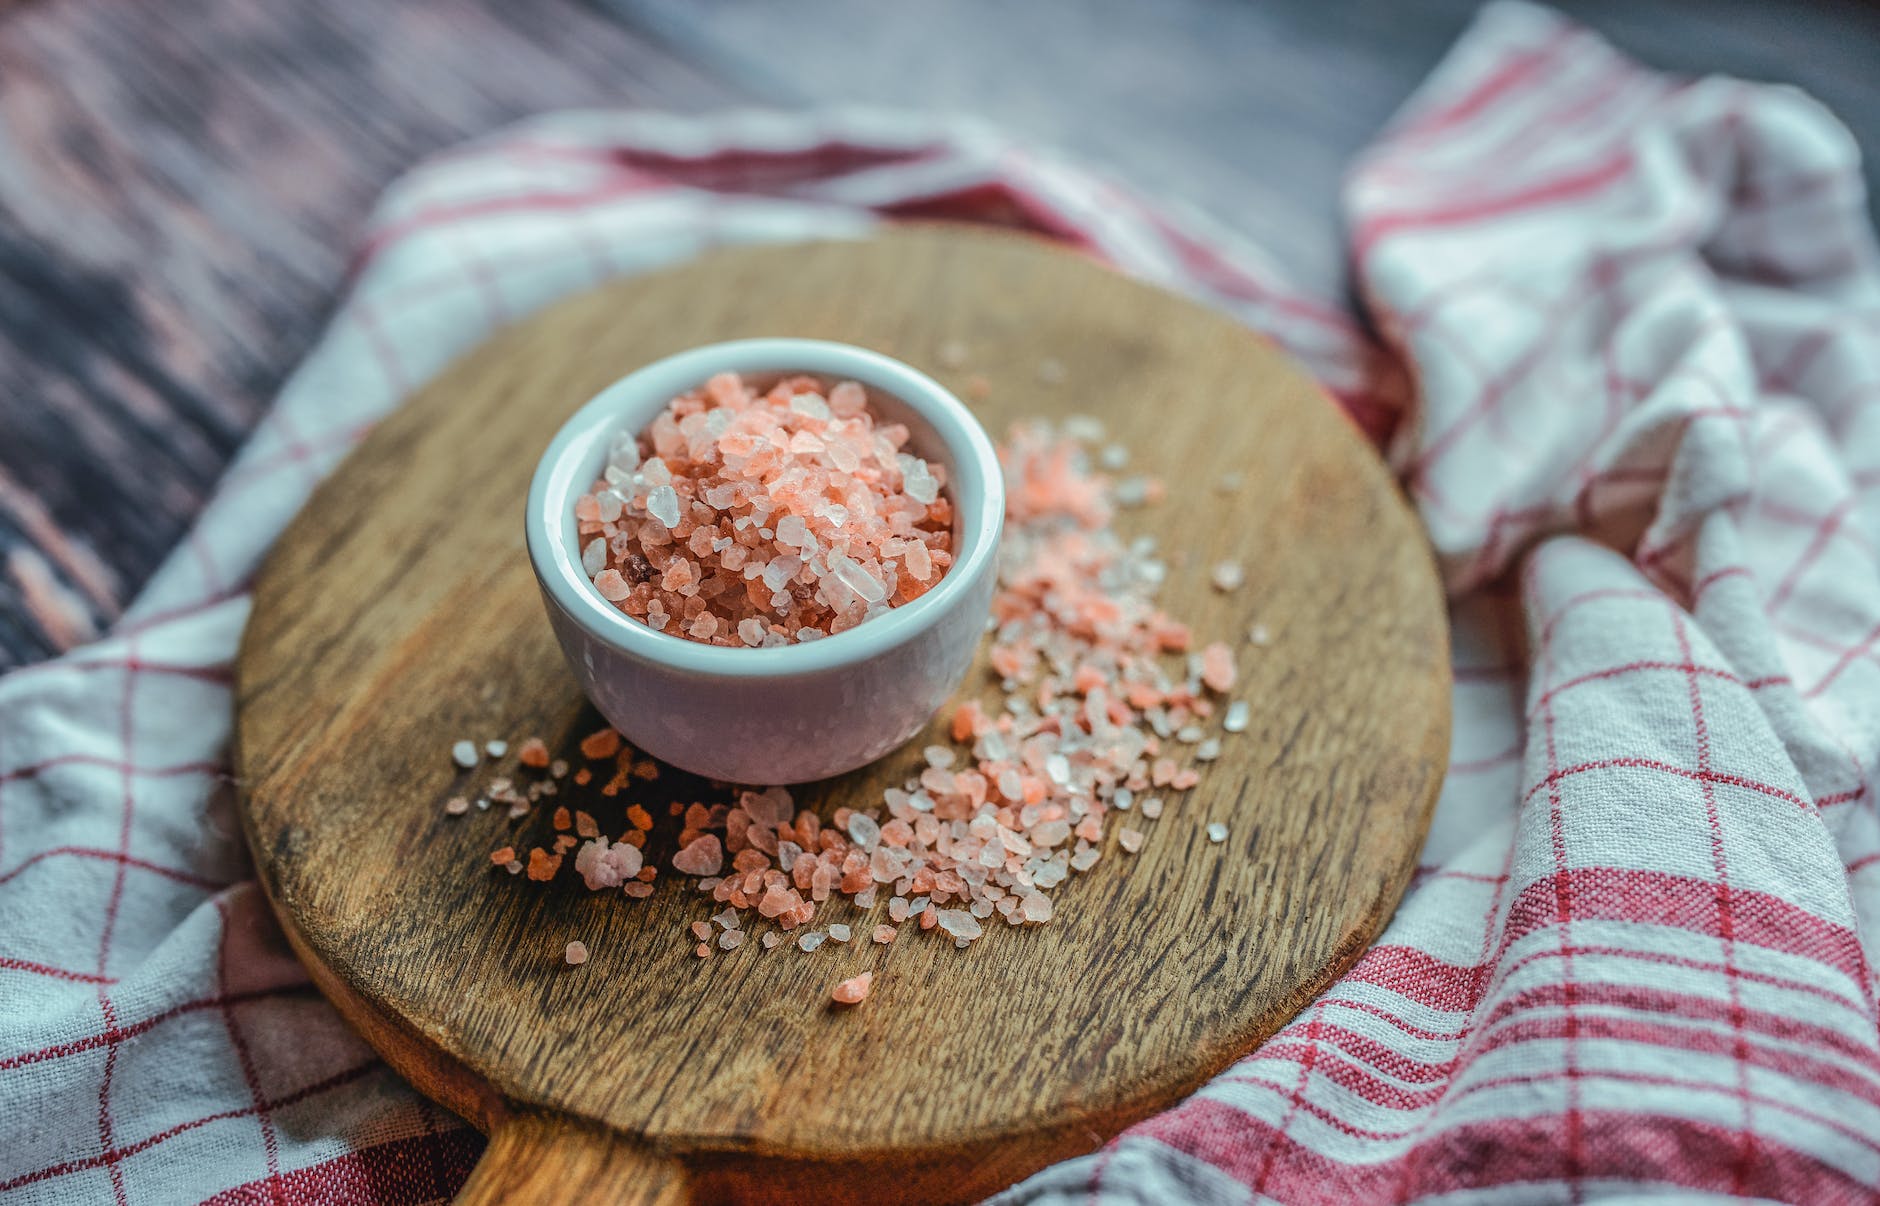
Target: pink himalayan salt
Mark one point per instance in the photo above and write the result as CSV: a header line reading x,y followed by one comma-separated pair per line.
x,y
987,827
750,519
576,954
1217,667
851,992
603,866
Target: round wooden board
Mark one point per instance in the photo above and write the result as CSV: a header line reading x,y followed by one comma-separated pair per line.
x,y
398,614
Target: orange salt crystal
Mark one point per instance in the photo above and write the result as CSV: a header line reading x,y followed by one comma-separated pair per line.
x,y
703,950
542,864
565,842
533,753
638,817
851,992
562,819
635,837
576,954
637,890
646,770
504,856
602,743
585,825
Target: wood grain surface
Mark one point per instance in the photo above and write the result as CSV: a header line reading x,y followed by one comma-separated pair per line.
x,y
399,614
181,185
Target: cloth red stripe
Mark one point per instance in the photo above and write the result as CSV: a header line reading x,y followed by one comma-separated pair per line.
x,y
1628,345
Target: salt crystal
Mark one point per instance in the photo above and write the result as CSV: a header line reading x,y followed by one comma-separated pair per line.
x,y
810,941
1228,576
456,806
960,923
1217,832
1130,839
864,831
839,933
1260,635
730,940
662,503
464,754
1208,750
1152,807
771,939
852,992
576,954
496,749
1236,719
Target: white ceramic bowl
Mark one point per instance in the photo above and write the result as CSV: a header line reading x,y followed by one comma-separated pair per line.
x,y
800,712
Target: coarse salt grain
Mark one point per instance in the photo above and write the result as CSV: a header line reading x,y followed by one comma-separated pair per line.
x,y
1227,576
464,754
496,749
851,992
576,954
1217,832
1235,721
756,519
456,806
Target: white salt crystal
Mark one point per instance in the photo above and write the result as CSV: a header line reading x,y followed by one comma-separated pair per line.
x,y
839,932
464,754
1208,750
662,503
1114,456
863,830
1236,719
594,556
811,940
496,749
960,923
938,755
1228,576
811,405
1259,635
730,939
1152,807
858,580
1217,833
917,481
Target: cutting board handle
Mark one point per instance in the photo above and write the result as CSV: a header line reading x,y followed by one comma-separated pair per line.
x,y
545,1160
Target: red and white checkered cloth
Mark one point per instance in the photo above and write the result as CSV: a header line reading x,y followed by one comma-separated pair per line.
x,y
1643,320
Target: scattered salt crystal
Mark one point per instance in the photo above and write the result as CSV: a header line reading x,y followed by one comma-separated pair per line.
x,y
456,806
702,856
839,933
1260,635
1114,456
496,749
730,940
1236,719
1152,807
464,754
852,992
1208,750
810,941
884,934
864,831
1227,576
960,924
726,919
1217,832
771,939
1130,839
1189,733
576,954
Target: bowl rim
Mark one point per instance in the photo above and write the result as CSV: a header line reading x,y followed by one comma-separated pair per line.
x,y
554,488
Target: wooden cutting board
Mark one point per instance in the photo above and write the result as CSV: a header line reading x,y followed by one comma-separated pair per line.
x,y
398,614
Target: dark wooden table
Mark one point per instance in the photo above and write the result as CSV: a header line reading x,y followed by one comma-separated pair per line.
x,y
180,183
